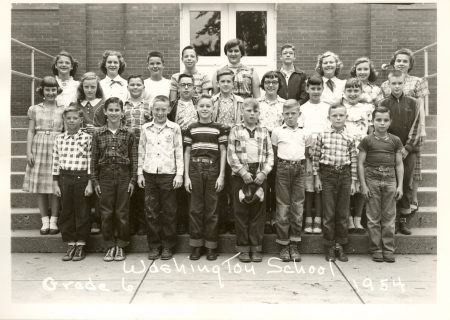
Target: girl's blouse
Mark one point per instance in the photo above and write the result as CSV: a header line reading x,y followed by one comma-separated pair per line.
x,y
69,91
47,118
414,87
243,78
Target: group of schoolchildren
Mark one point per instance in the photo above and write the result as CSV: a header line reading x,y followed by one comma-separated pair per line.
x,y
156,155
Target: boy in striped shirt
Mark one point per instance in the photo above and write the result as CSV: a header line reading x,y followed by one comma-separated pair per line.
x,y
72,182
204,159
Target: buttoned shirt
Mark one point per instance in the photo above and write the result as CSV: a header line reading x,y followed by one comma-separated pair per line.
x,y
89,109
243,79
270,112
334,148
116,87
314,117
136,115
332,97
291,143
414,87
226,111
72,152
113,148
161,149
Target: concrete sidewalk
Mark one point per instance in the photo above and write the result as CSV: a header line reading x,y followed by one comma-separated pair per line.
x,y
44,278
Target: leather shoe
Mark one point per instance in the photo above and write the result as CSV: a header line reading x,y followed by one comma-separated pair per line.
x,y
232,228
211,254
403,227
45,232
340,254
256,256
388,257
196,253
153,254
166,254
330,254
222,229
377,257
181,229
69,254
244,257
285,254
142,231
54,231
267,228
79,254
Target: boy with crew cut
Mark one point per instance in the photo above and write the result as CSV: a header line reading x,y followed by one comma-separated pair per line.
x,y
293,79
290,147
250,156
155,85
72,182
113,169
204,162
334,154
404,112
160,171
379,164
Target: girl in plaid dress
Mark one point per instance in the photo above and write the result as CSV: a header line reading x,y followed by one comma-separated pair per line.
x,y
45,122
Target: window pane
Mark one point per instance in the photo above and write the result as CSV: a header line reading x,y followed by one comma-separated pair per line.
x,y
205,32
251,28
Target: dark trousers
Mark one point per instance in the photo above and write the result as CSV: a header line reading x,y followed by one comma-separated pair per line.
x,y
114,203
203,216
160,196
226,209
95,215
271,197
183,204
290,188
137,204
408,167
74,218
248,217
336,186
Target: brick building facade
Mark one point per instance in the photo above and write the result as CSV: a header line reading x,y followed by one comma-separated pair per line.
x,y
86,30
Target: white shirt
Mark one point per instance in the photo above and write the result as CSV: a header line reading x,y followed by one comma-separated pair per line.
x,y
156,88
111,88
291,143
69,91
314,117
332,97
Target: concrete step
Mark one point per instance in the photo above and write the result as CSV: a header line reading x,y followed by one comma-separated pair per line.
x,y
19,122
431,133
422,241
30,218
429,178
18,148
19,134
431,121
429,161
18,163
430,146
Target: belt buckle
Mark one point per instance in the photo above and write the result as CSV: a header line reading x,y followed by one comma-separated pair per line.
x,y
338,167
47,132
383,169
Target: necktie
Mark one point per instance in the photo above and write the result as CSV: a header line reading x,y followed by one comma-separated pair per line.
x,y
330,85
114,81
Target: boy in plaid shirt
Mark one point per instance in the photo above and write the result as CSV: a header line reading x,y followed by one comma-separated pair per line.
x,y
72,182
114,169
334,152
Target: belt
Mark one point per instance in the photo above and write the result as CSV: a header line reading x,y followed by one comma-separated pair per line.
x,y
73,172
46,131
382,168
114,165
202,159
337,168
292,162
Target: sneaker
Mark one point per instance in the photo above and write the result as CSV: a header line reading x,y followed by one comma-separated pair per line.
x,y
377,257
284,254
79,254
256,256
153,254
244,257
308,227
331,254
69,254
110,254
316,228
166,254
120,255
388,257
340,254
293,251
95,229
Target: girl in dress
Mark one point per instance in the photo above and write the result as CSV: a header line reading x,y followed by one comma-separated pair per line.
x,y
64,68
45,122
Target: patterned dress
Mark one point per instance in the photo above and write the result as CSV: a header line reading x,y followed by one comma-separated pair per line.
x,y
48,124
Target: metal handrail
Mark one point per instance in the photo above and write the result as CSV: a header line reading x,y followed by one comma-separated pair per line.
x,y
30,76
386,66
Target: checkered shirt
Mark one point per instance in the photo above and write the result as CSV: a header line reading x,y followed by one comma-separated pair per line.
x,y
201,82
270,112
237,153
414,87
110,148
161,149
243,78
335,149
72,152
136,115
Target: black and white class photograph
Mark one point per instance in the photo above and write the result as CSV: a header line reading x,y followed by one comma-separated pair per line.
x,y
181,160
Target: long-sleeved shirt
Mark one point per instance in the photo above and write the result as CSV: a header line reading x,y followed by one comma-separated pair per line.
x,y
71,152
335,149
237,153
161,149
136,115
113,148
405,120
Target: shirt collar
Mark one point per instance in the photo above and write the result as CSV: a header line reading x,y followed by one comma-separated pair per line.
x,y
128,101
105,128
285,126
325,80
76,135
296,70
277,100
118,78
168,124
93,102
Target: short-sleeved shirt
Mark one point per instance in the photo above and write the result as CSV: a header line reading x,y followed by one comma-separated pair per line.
x,y
380,151
156,88
314,117
204,139
270,112
201,82
291,143
358,119
372,93
414,87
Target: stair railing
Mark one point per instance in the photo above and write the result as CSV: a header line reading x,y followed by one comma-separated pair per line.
x,y
30,76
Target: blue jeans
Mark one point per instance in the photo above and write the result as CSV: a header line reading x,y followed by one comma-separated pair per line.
x,y
114,202
203,216
336,184
290,191
380,208
160,196
408,168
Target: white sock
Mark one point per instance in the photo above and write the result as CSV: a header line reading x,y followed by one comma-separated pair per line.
x,y
72,243
358,222
318,220
53,221
350,223
80,243
308,220
45,223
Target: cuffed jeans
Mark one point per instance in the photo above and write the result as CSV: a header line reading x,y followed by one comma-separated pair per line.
x,y
380,209
203,216
336,185
290,190
270,198
74,219
248,217
114,201
226,211
160,194
137,211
